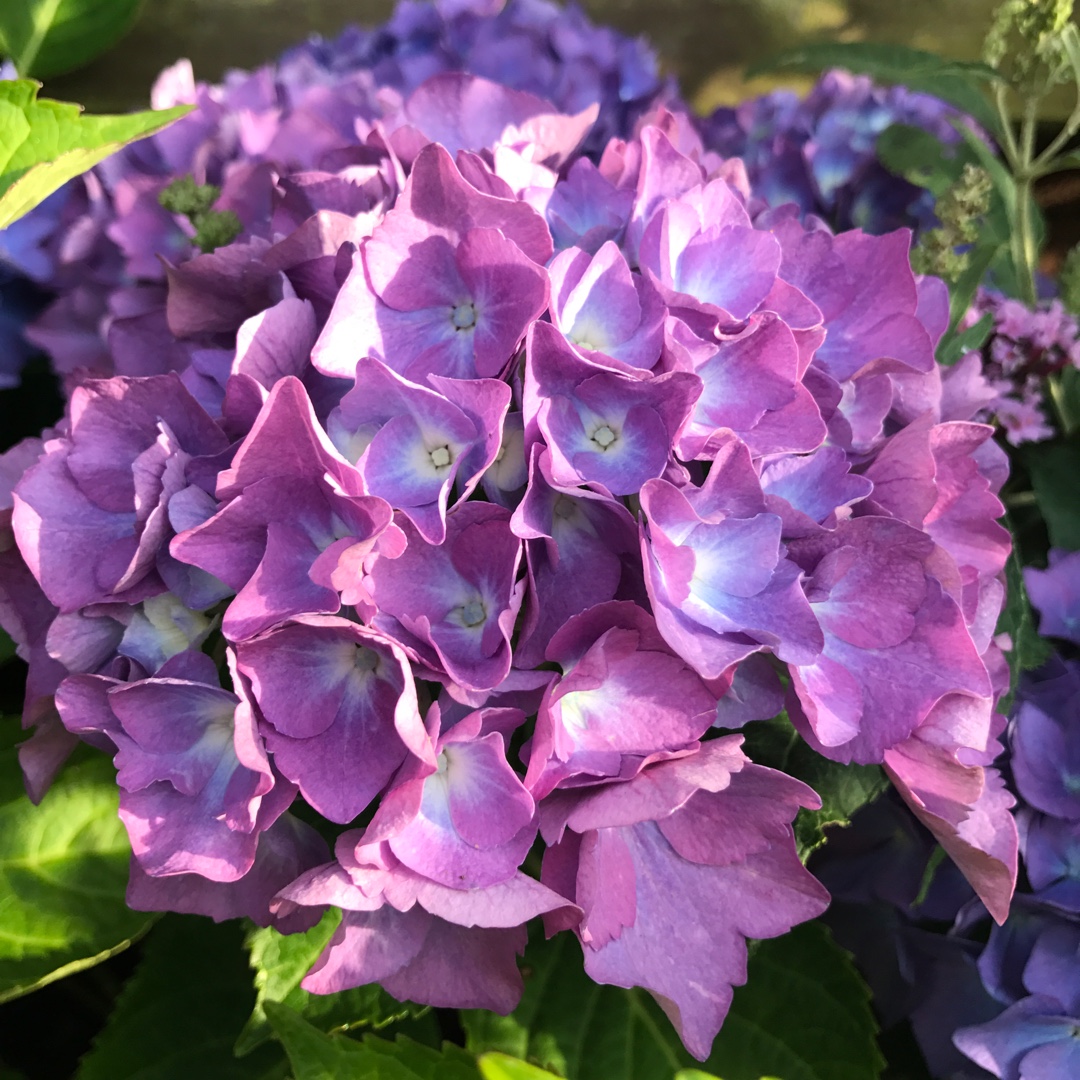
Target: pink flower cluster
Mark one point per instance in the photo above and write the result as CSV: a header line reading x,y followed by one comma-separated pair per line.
x,y
464,504
1026,346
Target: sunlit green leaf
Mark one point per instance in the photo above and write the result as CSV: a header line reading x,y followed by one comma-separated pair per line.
x,y
63,874
48,37
43,143
496,1066
314,1055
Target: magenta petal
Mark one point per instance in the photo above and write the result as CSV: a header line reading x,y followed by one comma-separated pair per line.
x,y
339,708
605,886
478,776
691,965
367,947
418,957
967,809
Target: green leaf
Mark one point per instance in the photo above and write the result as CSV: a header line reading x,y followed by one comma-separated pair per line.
x,y
843,788
954,344
496,1066
921,158
1054,467
7,648
314,1055
43,144
178,1015
576,1028
955,81
48,37
449,1063
697,1074
282,960
1018,621
804,1014
63,875
1065,391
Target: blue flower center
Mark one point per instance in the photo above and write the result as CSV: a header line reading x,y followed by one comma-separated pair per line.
x,y
603,436
463,316
473,613
365,660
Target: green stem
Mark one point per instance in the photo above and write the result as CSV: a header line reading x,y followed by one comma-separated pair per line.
x,y
1012,151
1044,162
1024,250
1023,242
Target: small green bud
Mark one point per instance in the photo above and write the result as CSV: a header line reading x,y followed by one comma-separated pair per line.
x,y
184,196
1028,35
215,229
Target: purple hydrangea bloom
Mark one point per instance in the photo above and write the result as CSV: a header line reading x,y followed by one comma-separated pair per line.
x,y
519,65
411,444
623,699
819,151
1037,1037
680,829
104,490
197,788
338,707
453,605
1051,848
445,285
413,463
1045,758
462,818
1055,594
423,941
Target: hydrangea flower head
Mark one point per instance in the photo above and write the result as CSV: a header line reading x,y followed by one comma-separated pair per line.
x,y
498,504
819,151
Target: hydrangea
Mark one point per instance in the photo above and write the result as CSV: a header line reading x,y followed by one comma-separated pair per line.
x,y
103,245
1032,964
464,510
819,151
1002,1005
